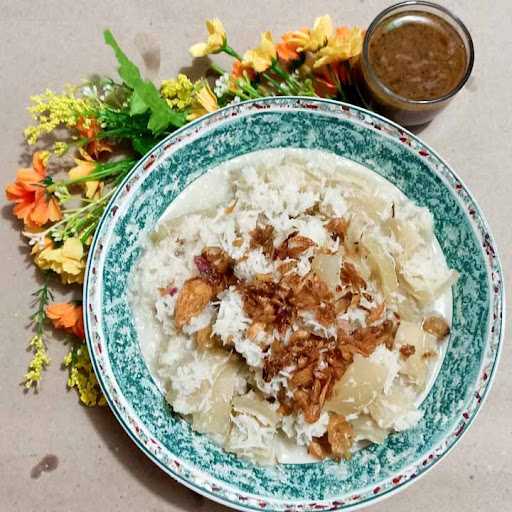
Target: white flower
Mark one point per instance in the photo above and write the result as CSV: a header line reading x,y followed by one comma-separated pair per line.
x,y
221,85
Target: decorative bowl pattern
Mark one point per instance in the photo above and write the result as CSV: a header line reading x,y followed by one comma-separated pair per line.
x,y
375,142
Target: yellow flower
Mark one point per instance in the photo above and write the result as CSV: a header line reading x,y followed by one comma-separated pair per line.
x,y
261,57
81,377
60,148
51,111
178,92
84,168
344,45
216,39
314,39
39,362
205,101
66,260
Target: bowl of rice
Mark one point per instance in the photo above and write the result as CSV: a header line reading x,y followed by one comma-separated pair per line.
x,y
294,304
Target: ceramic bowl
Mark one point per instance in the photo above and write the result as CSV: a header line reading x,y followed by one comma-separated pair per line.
x,y
472,352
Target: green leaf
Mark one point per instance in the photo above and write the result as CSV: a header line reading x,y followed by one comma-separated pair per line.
x,y
137,105
143,144
162,116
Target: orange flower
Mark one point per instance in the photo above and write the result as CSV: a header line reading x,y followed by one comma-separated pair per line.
x,y
33,203
329,79
82,169
287,49
68,317
239,70
89,128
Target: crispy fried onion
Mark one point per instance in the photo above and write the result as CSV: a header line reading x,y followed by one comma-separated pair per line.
x,y
216,268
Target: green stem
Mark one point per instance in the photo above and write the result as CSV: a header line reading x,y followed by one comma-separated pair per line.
x,y
101,171
279,86
43,297
215,67
79,212
88,232
229,51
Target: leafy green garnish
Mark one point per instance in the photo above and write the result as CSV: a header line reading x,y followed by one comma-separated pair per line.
x,y
145,94
143,144
137,105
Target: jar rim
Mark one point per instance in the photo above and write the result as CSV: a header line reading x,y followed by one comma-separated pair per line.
x,y
418,3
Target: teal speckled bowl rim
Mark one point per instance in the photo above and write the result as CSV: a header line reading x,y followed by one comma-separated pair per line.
x,y
198,480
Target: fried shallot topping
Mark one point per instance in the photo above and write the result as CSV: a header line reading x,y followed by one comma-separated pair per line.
x,y
365,340
192,299
293,246
340,435
320,447
407,350
337,227
437,326
318,364
215,267
263,237
279,303
350,276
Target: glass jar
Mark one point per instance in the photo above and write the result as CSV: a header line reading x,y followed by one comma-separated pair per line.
x,y
397,95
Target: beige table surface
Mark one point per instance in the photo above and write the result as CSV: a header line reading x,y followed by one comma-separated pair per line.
x,y
45,43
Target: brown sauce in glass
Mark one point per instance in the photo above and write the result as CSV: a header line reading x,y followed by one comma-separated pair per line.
x,y
418,55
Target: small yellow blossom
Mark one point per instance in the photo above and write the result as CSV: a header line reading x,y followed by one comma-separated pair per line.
x,y
178,92
215,42
66,260
345,44
314,39
261,57
205,101
82,377
39,362
84,168
52,111
60,148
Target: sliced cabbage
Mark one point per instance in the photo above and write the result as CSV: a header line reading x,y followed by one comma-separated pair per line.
x,y
364,380
366,429
427,280
416,366
407,235
215,419
383,265
327,268
256,406
192,376
253,429
359,223
396,410
374,206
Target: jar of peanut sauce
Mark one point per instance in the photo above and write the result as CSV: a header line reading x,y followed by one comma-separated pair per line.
x,y
416,56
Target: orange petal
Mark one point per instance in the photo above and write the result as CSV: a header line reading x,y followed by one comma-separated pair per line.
x,y
78,328
38,164
39,215
15,192
23,210
62,315
27,178
342,32
54,212
96,147
287,52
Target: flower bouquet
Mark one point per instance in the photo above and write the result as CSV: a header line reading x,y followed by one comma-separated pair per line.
x,y
88,138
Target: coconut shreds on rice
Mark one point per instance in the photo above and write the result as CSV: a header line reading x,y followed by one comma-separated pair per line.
x,y
292,305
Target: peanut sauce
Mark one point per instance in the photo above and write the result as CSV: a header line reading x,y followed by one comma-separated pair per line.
x,y
418,55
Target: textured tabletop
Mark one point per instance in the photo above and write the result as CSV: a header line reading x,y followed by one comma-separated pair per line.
x,y
48,43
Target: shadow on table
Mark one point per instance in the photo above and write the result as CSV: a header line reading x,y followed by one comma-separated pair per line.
x,y
146,472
